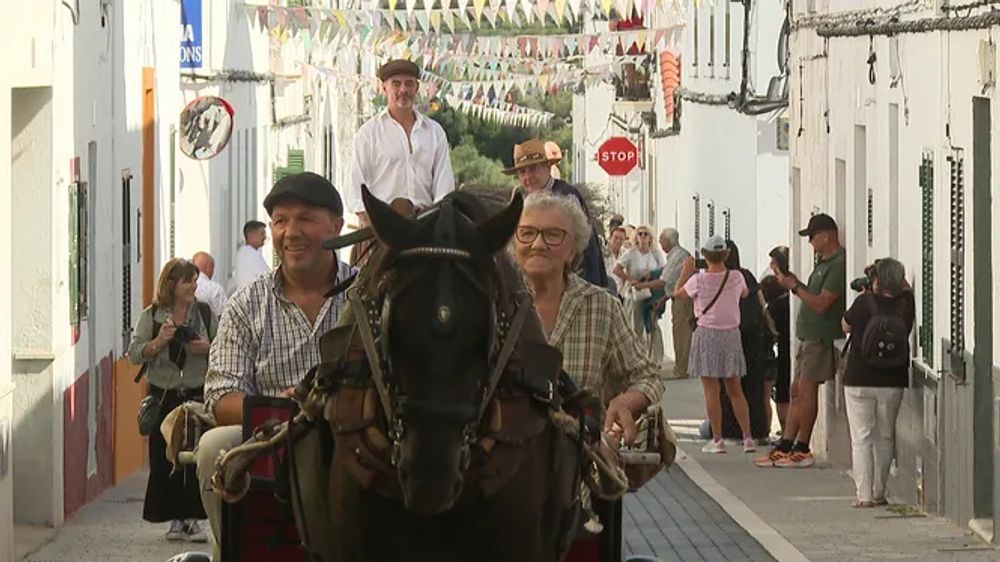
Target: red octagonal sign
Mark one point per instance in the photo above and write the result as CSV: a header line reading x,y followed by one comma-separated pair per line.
x,y
617,156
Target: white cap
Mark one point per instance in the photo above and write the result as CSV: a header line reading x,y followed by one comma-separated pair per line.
x,y
714,244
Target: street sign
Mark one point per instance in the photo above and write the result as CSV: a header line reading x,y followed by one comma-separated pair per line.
x,y
617,156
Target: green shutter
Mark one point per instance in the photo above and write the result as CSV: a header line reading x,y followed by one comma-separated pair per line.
x,y
296,160
927,262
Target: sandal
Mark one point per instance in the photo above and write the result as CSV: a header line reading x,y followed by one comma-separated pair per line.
x,y
862,503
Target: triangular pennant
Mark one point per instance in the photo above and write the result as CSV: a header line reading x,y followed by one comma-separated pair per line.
x,y
478,7
429,7
423,21
560,11
607,4
528,8
511,6
491,16
541,8
449,20
410,6
436,21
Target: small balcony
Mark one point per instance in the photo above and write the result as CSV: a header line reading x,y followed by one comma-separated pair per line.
x,y
632,91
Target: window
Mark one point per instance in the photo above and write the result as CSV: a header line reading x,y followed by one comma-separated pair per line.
x,y
77,254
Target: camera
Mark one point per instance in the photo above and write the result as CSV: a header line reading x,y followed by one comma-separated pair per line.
x,y
862,284
184,334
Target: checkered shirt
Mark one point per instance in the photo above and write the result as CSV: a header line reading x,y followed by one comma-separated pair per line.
x,y
265,343
600,351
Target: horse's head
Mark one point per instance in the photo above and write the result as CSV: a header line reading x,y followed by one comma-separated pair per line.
x,y
438,334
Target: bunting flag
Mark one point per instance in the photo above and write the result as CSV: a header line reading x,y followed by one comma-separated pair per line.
x,y
502,113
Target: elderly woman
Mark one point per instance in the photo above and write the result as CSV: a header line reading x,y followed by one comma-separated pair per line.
x,y
583,321
640,268
171,341
873,390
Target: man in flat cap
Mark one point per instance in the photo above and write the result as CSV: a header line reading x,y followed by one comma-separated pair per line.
x,y
400,154
269,337
533,168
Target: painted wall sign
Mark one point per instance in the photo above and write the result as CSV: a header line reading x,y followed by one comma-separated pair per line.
x,y
206,125
192,51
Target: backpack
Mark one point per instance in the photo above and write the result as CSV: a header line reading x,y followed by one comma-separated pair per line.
x,y
885,343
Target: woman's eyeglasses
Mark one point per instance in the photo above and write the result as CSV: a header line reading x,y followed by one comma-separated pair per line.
x,y
551,236
640,233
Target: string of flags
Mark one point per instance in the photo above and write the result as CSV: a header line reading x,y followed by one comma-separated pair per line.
x,y
502,113
460,14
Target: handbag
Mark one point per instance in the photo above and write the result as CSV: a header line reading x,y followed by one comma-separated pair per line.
x,y
150,410
694,319
640,295
654,449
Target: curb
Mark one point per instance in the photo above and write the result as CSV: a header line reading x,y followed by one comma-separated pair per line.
x,y
767,536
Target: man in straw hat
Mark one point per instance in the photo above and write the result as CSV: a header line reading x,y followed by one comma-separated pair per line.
x,y
400,154
533,167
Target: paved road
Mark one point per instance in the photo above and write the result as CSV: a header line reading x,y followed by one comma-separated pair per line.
x,y
673,519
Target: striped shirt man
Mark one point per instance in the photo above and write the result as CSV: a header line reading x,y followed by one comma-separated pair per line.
x,y
265,343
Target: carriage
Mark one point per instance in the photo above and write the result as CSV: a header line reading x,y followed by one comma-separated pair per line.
x,y
485,449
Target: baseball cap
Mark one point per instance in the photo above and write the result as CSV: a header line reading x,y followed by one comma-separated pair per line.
x,y
397,67
714,243
312,188
818,223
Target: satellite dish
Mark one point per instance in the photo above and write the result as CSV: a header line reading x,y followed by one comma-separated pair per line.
x,y
206,125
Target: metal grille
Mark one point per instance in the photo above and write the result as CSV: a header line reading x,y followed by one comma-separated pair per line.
x,y
697,221
927,263
126,258
871,218
727,216
957,350
711,218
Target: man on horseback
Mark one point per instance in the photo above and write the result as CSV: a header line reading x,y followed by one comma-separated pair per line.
x,y
269,337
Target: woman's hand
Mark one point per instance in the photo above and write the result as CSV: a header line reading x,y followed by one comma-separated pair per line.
x,y
198,346
689,266
167,330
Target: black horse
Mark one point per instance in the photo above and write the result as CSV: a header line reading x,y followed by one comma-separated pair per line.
x,y
440,455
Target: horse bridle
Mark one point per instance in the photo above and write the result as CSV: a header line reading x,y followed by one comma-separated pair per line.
x,y
372,316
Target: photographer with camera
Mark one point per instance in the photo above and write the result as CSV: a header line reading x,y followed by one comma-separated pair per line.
x,y
878,369
817,328
171,341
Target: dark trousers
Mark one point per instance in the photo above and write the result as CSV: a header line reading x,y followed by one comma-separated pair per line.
x,y
170,496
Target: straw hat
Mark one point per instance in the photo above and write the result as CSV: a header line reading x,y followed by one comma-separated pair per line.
x,y
529,153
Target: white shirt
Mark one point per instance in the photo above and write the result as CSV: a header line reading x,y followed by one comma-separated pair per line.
x,y
211,293
385,162
250,264
638,264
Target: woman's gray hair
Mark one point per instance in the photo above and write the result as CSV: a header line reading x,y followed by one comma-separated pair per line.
x,y
891,276
580,229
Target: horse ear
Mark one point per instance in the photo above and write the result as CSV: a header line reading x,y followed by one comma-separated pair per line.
x,y
497,230
391,228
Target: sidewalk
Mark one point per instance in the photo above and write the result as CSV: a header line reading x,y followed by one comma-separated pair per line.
x,y
810,508
111,529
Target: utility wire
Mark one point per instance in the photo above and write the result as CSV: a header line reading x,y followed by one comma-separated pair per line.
x,y
948,7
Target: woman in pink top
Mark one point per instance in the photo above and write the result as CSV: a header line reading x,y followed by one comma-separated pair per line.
x,y
716,348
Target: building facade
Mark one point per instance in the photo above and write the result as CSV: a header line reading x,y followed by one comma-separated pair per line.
x,y
98,195
892,134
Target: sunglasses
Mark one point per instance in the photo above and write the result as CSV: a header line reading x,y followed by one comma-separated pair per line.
x,y
642,234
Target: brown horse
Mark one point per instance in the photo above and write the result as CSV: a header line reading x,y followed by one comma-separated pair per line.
x,y
444,447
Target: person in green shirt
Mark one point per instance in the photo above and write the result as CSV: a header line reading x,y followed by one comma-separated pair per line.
x,y
817,327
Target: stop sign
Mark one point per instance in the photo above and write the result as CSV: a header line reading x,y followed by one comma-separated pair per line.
x,y
617,156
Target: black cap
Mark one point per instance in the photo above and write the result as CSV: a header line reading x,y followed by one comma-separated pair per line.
x,y
397,67
305,186
818,223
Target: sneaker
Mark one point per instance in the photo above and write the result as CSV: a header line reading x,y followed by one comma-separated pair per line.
x,y
176,532
714,447
796,459
771,459
749,445
194,532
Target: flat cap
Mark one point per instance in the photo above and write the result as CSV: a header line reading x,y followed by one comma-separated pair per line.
x,y
311,188
397,67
